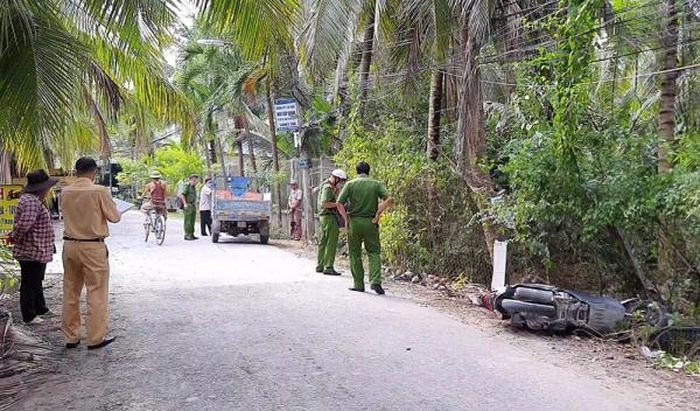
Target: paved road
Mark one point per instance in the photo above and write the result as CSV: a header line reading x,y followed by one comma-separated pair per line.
x,y
251,327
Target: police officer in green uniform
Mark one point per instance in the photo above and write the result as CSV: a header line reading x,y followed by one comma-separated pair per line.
x,y
328,242
363,213
188,195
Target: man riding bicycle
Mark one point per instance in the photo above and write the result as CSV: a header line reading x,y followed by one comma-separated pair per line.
x,y
154,197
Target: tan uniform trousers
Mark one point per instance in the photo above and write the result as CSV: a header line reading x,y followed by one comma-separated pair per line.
x,y
85,264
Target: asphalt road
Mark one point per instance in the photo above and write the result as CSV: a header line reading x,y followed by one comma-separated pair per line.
x,y
241,326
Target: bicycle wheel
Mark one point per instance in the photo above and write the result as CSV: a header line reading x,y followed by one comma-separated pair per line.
x,y
160,229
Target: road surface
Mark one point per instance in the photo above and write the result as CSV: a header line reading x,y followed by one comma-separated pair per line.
x,y
241,326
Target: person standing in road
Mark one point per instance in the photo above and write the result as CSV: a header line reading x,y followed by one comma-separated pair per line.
x,y
86,208
188,195
33,239
205,198
295,203
327,209
363,194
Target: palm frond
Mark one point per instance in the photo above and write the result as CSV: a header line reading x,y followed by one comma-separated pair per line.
x,y
149,84
105,143
257,25
42,66
325,35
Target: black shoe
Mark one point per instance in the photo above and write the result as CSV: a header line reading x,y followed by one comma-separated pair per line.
x,y
319,270
331,272
377,289
204,234
104,343
73,345
359,290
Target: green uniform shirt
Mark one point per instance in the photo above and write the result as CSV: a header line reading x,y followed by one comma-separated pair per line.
x,y
190,194
363,194
326,195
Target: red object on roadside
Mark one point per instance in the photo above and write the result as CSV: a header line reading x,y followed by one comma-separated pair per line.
x,y
487,301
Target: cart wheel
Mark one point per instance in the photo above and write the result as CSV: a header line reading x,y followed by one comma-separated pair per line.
x,y
214,237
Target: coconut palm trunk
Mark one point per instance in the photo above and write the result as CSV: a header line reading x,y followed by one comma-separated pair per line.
x,y
251,152
471,141
222,153
366,63
434,114
667,119
669,88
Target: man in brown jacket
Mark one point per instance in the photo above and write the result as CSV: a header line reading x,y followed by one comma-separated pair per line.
x,y
86,210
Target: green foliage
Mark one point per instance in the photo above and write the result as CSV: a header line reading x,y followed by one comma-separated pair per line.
x,y
678,364
9,271
175,163
134,173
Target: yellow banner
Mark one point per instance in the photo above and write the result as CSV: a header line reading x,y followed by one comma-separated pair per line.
x,y
9,198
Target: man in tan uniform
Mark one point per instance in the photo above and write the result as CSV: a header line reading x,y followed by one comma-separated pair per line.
x,y
86,210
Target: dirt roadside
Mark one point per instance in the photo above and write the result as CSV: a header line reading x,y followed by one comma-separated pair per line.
x,y
610,362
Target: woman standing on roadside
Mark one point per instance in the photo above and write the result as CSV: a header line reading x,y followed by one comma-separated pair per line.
x,y
33,239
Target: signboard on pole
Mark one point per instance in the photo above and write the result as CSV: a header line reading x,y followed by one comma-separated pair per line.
x,y
287,114
305,163
9,198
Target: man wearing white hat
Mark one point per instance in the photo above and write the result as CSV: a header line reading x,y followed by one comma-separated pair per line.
x,y
330,229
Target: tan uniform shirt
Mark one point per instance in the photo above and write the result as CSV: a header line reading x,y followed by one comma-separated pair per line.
x,y
86,209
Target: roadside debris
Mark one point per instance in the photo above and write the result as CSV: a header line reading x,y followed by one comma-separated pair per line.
x,y
650,354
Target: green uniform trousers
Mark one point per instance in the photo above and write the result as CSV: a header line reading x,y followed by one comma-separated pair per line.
x,y
190,216
328,243
363,230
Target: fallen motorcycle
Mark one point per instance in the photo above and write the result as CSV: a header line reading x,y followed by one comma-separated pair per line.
x,y
545,307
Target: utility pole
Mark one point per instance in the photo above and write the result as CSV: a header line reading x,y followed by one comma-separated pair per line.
x,y
305,165
275,158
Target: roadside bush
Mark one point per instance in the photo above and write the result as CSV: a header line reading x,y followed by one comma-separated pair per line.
x,y
173,162
431,228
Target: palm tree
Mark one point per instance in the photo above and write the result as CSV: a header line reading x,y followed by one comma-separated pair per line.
x,y
66,61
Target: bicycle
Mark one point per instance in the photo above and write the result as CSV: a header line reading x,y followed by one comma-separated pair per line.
x,y
155,225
